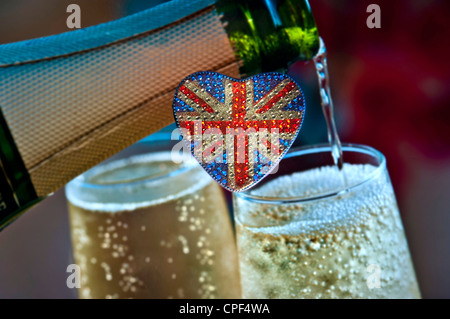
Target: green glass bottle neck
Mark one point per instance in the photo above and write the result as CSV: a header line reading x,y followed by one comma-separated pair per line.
x,y
268,35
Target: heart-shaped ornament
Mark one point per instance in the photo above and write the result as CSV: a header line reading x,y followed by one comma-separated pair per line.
x,y
238,129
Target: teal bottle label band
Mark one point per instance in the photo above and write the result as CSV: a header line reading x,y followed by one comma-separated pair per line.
x,y
16,188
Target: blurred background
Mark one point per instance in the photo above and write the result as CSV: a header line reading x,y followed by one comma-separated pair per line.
x,y
391,91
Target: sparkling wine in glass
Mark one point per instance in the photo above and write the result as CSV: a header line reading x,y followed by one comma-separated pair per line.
x,y
144,226
302,234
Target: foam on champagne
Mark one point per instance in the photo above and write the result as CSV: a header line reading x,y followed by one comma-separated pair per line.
x,y
146,180
324,215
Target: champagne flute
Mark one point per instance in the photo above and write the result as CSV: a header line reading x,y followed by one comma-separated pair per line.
x,y
144,226
302,234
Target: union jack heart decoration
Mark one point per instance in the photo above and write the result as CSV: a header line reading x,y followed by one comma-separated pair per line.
x,y
238,129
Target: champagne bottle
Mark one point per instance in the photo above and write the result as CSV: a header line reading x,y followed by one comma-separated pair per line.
x,y
71,100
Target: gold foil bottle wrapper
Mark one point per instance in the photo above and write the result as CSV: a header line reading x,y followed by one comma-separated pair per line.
x,y
69,111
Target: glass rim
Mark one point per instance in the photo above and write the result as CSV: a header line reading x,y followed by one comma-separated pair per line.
x,y
185,166
319,148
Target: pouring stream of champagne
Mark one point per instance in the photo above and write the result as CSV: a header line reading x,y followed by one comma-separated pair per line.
x,y
320,62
